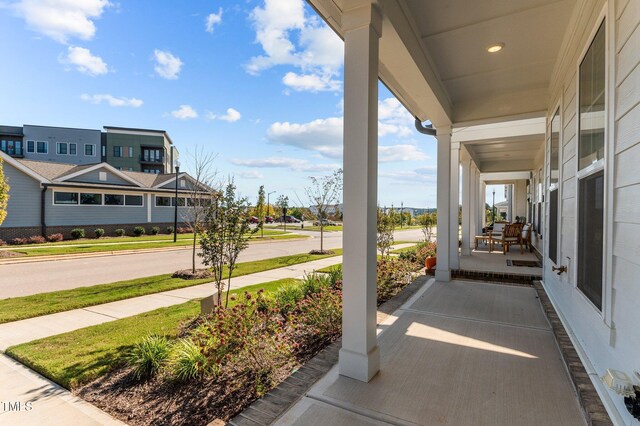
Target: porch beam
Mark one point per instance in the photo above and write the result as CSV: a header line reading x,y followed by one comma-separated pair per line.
x,y
359,357
443,267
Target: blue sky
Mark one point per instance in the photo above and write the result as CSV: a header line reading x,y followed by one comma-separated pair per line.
x,y
259,83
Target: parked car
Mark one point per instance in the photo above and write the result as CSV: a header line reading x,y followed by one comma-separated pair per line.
x,y
324,222
268,219
289,219
253,219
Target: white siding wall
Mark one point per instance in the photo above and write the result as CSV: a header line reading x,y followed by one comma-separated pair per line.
x,y
616,345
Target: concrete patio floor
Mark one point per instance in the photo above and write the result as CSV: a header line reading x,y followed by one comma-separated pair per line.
x,y
496,261
458,353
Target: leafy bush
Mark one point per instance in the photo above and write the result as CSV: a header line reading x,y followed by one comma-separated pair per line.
x,y
314,283
182,230
287,297
427,249
138,231
120,232
155,230
3,243
189,361
99,232
393,276
320,314
19,241
37,239
148,356
53,238
77,233
169,229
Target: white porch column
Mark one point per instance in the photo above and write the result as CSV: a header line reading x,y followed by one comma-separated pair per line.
x,y
443,266
483,191
454,232
359,356
466,202
473,214
480,203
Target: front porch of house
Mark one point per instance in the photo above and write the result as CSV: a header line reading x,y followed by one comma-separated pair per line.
x,y
456,353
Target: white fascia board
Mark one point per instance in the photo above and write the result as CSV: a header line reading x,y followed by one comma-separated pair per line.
x,y
16,164
503,130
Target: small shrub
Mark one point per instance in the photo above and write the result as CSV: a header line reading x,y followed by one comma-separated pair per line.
x,y
19,241
138,231
313,283
3,243
287,297
320,314
393,276
77,233
155,230
427,249
54,238
99,232
120,232
37,239
148,356
189,362
169,229
182,230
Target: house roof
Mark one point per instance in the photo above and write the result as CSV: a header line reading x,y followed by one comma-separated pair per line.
x,y
59,172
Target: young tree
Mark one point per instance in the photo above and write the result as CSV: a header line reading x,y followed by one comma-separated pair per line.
x,y
225,235
200,194
261,210
4,194
427,229
282,205
385,230
323,194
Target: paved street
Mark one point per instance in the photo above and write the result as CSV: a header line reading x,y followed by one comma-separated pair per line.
x,y
38,277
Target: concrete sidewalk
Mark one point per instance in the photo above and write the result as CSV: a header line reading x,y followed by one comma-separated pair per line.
x,y
17,332
26,398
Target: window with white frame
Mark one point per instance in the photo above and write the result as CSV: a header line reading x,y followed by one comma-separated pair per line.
x,y
91,199
73,149
113,200
554,160
42,147
31,146
89,150
591,147
117,151
65,198
62,148
163,201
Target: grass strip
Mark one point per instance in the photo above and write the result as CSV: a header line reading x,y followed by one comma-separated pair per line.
x,y
79,356
100,247
19,308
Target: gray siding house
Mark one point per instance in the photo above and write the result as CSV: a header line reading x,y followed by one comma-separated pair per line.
x,y
48,197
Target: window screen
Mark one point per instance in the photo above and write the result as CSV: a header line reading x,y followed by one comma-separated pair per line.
x,y
591,237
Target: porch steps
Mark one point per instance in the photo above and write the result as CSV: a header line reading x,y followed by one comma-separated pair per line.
x,y
595,413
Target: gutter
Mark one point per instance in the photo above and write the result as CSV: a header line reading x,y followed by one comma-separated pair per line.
x,y
43,223
425,130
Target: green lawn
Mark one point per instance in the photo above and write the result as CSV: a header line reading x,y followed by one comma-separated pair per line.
x,y
141,243
326,228
77,357
18,308
402,250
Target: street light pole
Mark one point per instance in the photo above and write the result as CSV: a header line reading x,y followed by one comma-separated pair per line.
x,y
401,213
493,208
175,210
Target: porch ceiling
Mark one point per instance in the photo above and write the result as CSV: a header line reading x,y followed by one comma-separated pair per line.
x,y
433,54
505,155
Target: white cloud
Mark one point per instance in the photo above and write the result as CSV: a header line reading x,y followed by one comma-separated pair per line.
x,y
231,116
212,20
185,112
84,61
421,175
167,65
251,174
321,135
311,82
402,152
112,100
61,19
288,37
295,164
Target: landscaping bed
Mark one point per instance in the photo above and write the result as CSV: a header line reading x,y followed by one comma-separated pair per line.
x,y
219,363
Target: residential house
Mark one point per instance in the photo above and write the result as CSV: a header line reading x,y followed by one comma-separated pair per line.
x,y
49,197
542,93
139,150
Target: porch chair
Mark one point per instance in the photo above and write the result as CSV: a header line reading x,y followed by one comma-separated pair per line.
x,y
512,234
526,236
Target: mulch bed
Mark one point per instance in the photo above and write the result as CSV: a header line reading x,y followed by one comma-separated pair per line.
x,y
321,252
159,401
188,274
7,254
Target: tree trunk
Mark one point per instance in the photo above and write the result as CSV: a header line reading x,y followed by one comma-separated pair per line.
x,y
193,254
321,237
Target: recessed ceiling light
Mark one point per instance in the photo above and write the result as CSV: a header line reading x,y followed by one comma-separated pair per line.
x,y
496,47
